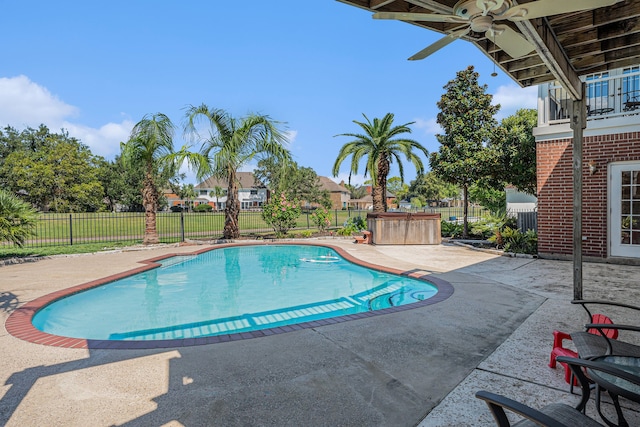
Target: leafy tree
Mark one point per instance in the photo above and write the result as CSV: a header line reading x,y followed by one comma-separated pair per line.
x,y
17,219
28,140
231,144
53,171
515,152
416,202
429,187
301,183
466,116
150,146
380,147
396,186
493,199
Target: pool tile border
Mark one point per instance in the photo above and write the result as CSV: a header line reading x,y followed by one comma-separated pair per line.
x,y
19,323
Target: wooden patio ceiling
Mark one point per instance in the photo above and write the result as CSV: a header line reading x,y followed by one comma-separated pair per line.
x,y
566,46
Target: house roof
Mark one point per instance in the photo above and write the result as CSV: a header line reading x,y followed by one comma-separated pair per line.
x,y
245,180
331,186
566,45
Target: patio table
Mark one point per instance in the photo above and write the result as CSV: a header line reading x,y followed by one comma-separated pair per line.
x,y
616,386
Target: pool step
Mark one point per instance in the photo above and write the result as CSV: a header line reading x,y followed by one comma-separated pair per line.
x,y
248,322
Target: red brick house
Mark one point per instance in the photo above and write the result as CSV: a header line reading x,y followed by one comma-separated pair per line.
x,y
611,169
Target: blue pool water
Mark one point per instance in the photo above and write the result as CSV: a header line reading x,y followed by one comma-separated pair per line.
x,y
229,290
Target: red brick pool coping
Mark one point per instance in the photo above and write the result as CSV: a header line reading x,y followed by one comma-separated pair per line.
x,y
19,323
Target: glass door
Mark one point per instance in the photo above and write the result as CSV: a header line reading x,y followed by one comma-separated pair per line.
x,y
624,223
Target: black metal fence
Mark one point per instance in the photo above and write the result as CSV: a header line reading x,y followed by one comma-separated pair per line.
x,y
79,228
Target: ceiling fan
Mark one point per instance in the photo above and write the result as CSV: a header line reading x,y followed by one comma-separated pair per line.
x,y
480,16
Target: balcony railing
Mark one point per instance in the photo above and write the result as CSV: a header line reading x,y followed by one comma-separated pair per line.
x,y
606,96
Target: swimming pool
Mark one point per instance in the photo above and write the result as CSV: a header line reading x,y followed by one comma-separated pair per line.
x,y
234,291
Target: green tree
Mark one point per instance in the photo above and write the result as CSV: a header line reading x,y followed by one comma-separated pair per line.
x,y
396,186
467,118
490,198
429,187
515,151
150,146
380,146
231,144
17,219
53,171
301,183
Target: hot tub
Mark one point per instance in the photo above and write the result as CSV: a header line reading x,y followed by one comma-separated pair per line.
x,y
404,228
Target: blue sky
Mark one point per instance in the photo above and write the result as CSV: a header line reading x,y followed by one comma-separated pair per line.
x,y
96,68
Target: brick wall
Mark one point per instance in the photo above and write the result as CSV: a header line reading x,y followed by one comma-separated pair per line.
x,y
555,188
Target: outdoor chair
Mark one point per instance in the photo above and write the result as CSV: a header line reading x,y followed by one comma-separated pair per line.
x,y
560,350
558,414
590,345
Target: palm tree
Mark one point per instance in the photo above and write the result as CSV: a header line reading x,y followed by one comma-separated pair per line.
x,y
150,146
231,144
17,219
217,192
188,193
380,148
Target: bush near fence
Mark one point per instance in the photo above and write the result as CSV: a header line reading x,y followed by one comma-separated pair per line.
x,y
77,228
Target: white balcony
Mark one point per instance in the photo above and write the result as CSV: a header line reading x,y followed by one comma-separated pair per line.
x,y
612,101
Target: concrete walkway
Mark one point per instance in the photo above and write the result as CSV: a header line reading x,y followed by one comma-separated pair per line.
x,y
416,367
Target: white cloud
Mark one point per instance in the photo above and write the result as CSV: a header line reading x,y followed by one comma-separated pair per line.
x,y
27,104
512,98
291,137
429,126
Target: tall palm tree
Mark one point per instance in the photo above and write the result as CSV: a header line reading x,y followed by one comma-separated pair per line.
x,y
231,144
378,145
151,146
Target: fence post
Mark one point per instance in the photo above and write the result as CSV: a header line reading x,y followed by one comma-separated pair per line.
x,y
336,216
308,226
182,225
70,229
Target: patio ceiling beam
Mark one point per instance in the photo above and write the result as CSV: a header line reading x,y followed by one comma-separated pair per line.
x,y
433,5
376,4
540,34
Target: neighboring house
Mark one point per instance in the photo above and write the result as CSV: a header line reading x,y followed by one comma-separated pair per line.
x,y
250,194
338,193
610,168
518,201
366,203
173,200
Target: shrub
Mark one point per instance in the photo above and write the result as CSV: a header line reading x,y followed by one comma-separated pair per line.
x,y
352,225
17,219
203,207
450,229
513,240
281,214
321,218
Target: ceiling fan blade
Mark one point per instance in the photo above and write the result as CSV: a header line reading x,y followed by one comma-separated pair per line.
x,y
509,40
439,44
540,8
426,17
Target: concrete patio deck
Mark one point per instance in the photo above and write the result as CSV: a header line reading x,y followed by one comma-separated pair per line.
x,y
416,367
